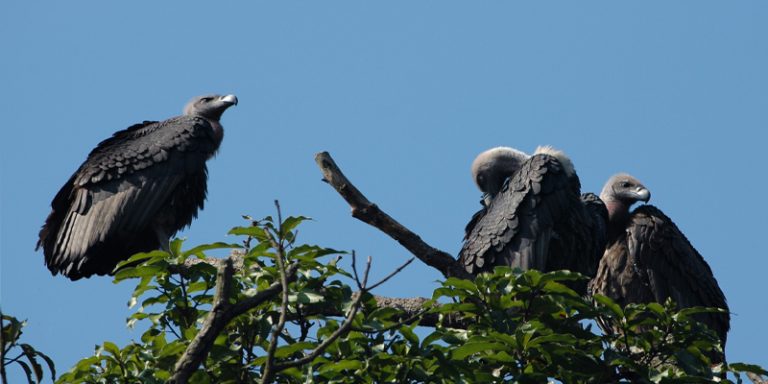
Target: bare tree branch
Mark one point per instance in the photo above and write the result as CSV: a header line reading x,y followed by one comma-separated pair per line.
x,y
364,210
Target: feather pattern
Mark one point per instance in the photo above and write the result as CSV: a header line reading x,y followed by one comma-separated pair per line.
x,y
654,261
144,181
537,221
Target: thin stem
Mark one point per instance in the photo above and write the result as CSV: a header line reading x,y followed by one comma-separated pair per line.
x,y
2,352
395,272
278,245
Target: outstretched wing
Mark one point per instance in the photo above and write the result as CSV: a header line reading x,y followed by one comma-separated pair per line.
x,y
518,225
108,208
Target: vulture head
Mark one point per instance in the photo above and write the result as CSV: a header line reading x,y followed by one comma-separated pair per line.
x,y
564,160
620,192
209,106
492,167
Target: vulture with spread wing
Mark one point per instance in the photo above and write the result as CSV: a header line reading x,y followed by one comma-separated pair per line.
x,y
533,215
135,190
648,259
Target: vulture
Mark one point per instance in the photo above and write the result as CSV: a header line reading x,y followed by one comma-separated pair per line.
x,y
490,170
135,190
533,215
648,259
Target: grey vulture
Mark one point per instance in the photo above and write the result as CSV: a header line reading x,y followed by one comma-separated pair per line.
x,y
135,190
648,259
537,219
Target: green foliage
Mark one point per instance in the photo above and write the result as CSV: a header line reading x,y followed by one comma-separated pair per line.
x,y
22,355
515,327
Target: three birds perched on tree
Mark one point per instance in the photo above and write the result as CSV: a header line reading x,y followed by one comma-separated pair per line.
x,y
135,190
143,184
535,217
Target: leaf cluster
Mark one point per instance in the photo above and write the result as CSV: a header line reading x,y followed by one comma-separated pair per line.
x,y
23,355
507,326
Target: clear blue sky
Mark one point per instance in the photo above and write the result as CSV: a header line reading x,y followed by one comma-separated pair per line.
x,y
403,94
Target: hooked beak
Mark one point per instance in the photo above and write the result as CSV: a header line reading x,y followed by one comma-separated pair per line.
x,y
229,99
642,194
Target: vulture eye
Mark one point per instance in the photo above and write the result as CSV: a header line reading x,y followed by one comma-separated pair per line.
x,y
206,99
625,184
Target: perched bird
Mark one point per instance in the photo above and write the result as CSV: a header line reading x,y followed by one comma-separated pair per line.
x,y
490,170
492,167
537,219
135,190
648,259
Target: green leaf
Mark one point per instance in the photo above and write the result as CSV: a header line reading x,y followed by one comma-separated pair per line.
x,y
307,297
141,271
12,330
562,275
407,332
207,247
339,366
460,283
555,287
50,364
610,304
741,367
690,311
30,353
112,348
291,223
255,232
172,349
655,308
289,350
175,246
27,370
467,349
143,256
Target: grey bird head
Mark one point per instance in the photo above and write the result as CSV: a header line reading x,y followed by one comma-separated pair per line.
x,y
209,106
492,167
626,189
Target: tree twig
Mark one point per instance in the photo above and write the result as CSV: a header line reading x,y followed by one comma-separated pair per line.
x,y
347,324
344,328
364,210
217,319
395,272
3,375
279,256
221,314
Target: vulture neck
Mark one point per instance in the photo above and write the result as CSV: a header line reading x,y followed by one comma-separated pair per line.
x,y
618,217
218,131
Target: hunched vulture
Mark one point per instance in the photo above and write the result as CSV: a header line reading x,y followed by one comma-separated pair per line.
x,y
648,259
135,190
537,220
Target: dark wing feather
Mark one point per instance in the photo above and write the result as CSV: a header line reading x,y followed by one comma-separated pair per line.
x,y
475,219
592,232
519,223
150,176
655,261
